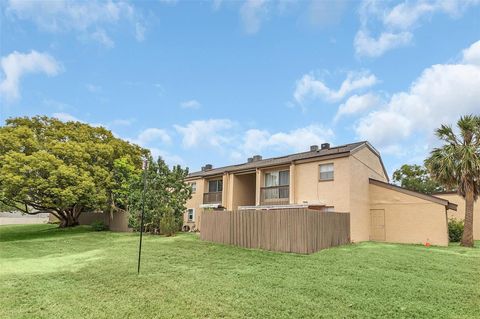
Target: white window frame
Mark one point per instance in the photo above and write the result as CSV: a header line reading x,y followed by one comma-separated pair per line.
x,y
320,172
193,214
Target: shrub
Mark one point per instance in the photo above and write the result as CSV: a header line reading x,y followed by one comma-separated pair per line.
x,y
99,225
168,224
455,229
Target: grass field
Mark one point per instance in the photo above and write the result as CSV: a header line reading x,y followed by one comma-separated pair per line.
x,y
46,272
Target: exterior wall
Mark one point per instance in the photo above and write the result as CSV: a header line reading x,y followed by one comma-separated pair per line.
x,y
409,219
308,187
195,202
243,191
460,213
363,165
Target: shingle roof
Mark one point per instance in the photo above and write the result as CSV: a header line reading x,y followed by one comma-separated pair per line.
x,y
336,150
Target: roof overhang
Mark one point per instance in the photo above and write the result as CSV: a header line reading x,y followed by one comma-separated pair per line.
x,y
423,196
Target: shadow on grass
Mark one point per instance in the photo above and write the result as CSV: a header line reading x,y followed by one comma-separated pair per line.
x,y
31,232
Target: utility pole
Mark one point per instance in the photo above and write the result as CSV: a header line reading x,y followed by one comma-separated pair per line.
x,y
145,169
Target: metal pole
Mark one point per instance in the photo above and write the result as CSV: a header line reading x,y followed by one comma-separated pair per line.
x,y
145,167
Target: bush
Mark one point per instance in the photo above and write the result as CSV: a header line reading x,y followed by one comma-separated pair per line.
x,y
168,224
99,225
455,230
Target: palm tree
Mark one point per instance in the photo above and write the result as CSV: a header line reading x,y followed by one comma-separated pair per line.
x,y
456,165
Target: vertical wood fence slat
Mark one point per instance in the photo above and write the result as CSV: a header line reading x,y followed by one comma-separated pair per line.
x,y
289,230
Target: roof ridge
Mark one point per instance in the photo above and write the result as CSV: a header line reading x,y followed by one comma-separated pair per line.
x,y
316,153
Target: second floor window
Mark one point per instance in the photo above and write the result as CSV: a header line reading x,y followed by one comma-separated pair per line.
x,y
215,186
277,178
194,187
326,172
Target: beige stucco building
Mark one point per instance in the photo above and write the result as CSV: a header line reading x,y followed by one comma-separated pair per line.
x,y
347,178
459,214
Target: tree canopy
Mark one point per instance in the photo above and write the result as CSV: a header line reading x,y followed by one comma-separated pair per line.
x,y
165,197
457,165
416,178
47,165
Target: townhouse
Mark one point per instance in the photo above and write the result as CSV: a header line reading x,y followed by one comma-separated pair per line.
x,y
348,178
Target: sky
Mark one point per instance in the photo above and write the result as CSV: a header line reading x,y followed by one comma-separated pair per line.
x,y
216,82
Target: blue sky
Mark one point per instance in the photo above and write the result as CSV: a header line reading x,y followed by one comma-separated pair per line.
x,y
217,82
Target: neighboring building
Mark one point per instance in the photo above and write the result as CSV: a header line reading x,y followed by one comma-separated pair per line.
x,y
348,178
460,212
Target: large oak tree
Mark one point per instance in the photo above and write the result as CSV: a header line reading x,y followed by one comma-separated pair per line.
x,y
48,166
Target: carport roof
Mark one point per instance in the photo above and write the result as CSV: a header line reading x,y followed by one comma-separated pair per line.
x,y
430,198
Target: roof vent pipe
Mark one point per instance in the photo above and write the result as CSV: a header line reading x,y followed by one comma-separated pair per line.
x,y
325,146
313,148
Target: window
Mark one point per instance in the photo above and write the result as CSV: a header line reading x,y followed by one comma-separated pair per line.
x,y
191,214
326,172
215,186
277,178
194,187
273,185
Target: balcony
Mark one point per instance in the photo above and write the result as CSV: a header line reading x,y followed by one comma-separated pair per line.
x,y
275,195
212,198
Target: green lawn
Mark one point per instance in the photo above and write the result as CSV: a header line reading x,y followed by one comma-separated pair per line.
x,y
46,272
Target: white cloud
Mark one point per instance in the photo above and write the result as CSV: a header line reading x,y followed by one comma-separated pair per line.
x,y
80,16
440,95
169,158
139,31
407,14
365,45
471,55
66,117
309,87
15,65
251,14
358,103
190,104
101,37
211,133
298,140
397,22
150,135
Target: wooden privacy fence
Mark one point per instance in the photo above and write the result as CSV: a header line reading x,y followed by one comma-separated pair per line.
x,y
289,230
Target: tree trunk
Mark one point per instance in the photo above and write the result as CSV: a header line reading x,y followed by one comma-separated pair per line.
x,y
68,219
467,237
